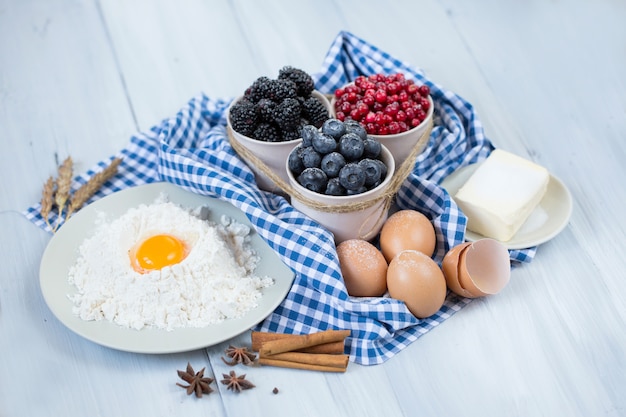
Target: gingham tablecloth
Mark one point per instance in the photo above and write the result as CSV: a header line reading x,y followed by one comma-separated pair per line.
x,y
191,150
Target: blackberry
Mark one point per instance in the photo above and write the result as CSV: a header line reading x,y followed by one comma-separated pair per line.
x,y
266,132
280,90
304,82
315,112
288,135
259,89
287,114
244,117
266,109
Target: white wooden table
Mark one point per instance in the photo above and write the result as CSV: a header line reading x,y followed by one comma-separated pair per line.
x,y
80,77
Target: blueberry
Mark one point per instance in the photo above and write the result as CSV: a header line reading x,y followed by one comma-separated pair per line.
x,y
310,157
307,133
334,128
372,171
359,191
351,146
323,143
295,162
334,187
372,148
383,169
352,176
313,179
332,163
352,126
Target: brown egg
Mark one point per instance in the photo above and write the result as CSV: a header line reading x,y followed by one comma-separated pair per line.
x,y
417,280
363,267
404,230
477,269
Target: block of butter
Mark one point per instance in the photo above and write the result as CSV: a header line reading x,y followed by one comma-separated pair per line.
x,y
500,195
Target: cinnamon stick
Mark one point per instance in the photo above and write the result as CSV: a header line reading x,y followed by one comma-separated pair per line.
x,y
321,359
258,338
298,365
296,342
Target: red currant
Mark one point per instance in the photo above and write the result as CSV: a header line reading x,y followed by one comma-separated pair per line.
x,y
383,104
381,96
394,128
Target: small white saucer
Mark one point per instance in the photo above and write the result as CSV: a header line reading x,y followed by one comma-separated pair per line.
x,y
547,220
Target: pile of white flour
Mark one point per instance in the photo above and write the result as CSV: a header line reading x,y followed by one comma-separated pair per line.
x,y
214,282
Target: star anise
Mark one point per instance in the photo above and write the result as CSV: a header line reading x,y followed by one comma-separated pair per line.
x,y
198,383
239,355
236,383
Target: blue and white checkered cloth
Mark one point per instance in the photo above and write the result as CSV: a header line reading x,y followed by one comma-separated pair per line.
x,y
192,151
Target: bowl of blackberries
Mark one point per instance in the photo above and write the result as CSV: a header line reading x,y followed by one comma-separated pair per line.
x,y
338,174
268,118
394,109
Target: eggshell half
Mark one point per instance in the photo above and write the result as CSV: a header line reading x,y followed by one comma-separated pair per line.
x,y
450,268
417,280
477,269
407,230
486,268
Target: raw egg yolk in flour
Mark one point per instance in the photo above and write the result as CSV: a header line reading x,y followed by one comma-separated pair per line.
x,y
156,252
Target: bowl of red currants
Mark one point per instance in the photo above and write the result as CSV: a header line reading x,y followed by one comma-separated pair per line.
x,y
266,121
340,176
393,109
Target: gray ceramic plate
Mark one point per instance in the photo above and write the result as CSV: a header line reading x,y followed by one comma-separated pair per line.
x,y
62,252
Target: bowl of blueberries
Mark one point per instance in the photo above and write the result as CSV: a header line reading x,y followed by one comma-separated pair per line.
x,y
338,174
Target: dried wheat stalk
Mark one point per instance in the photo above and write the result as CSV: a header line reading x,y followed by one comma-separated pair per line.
x,y
47,199
90,187
64,184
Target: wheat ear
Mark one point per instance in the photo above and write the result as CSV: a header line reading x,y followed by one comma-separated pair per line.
x,y
47,199
64,183
90,187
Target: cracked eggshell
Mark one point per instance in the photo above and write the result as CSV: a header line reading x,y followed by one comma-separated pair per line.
x,y
450,268
477,269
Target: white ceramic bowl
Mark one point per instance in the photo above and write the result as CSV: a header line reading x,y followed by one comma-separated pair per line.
x,y
401,144
272,154
363,224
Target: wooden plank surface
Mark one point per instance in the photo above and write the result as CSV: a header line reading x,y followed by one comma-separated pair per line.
x,y
546,78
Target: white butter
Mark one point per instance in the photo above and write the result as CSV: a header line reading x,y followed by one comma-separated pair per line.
x,y
501,194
